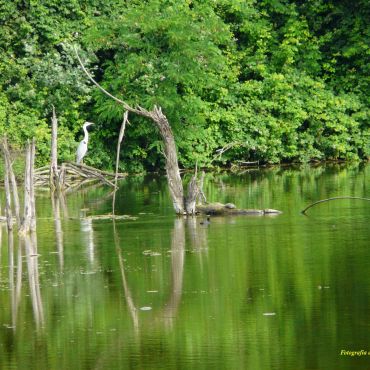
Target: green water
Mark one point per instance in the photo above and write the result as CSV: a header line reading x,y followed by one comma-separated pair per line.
x,y
247,292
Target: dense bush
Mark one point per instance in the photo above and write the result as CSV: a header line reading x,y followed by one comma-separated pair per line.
x,y
270,80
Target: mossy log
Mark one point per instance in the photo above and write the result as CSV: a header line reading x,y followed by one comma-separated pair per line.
x,y
219,209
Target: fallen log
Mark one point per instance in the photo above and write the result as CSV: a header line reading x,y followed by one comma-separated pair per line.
x,y
219,209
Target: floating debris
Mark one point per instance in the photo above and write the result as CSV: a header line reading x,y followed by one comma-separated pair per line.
x,y
269,313
145,308
149,252
9,326
109,216
323,287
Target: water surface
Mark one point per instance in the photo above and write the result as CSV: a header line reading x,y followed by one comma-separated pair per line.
x,y
160,292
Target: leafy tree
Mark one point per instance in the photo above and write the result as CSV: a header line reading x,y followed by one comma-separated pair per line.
x,y
273,80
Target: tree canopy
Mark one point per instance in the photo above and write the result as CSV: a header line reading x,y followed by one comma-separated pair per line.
x,y
272,80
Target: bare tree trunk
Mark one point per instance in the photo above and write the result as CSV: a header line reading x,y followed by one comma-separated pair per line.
x,y
11,177
120,138
29,219
25,226
7,175
54,177
190,201
8,201
170,153
32,186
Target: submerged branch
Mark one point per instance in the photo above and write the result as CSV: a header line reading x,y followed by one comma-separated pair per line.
x,y
329,199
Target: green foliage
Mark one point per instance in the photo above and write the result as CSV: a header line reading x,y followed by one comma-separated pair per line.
x,y
271,80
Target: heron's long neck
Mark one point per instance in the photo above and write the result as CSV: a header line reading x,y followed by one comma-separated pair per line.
x,y
86,138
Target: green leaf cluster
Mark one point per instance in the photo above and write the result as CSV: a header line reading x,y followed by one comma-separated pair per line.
x,y
273,80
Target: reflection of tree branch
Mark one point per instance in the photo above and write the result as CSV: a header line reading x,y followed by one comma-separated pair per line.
x,y
55,204
1,240
198,234
19,280
11,276
14,287
87,228
126,289
177,268
177,265
30,243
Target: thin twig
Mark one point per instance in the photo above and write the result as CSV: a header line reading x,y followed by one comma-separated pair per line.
x,y
120,138
329,199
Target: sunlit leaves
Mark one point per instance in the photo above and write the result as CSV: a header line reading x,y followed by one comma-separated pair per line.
x,y
271,80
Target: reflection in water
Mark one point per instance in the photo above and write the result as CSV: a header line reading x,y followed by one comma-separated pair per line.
x,y
11,276
128,296
235,294
15,279
177,271
169,310
1,241
30,244
58,201
88,237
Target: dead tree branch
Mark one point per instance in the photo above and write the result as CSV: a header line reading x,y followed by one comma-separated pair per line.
x,y
170,151
120,138
29,216
54,176
330,199
11,177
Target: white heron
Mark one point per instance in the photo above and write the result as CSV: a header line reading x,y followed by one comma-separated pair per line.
x,y
82,147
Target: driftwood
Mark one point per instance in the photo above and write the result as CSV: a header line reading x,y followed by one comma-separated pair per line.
x,y
75,175
330,199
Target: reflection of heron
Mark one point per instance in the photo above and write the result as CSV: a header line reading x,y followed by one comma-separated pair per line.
x,y
82,148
